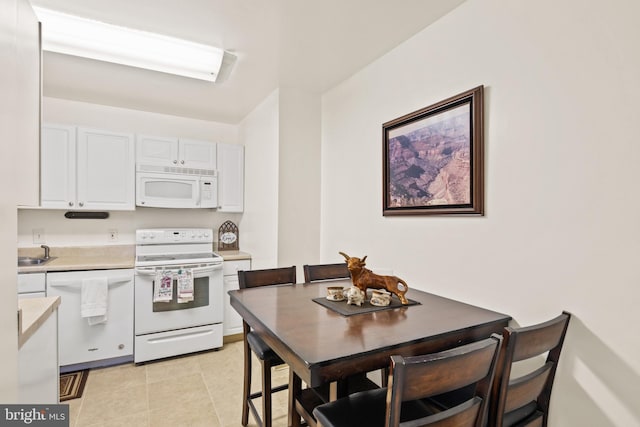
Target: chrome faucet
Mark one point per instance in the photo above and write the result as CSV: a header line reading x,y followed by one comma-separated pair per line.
x,y
46,251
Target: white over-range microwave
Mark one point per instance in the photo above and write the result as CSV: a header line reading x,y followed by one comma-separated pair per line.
x,y
174,187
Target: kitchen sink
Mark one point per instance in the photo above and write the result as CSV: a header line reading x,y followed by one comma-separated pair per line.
x,y
24,261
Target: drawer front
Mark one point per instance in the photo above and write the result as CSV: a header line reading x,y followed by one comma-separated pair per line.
x,y
31,282
231,268
182,341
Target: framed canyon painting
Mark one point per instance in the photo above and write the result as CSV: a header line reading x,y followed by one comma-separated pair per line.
x,y
434,159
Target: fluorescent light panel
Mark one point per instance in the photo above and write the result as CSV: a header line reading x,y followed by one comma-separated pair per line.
x,y
73,35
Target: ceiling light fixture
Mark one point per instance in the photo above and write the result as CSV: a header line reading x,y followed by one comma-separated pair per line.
x,y
73,35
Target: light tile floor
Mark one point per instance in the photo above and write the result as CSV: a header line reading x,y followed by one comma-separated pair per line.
x,y
203,390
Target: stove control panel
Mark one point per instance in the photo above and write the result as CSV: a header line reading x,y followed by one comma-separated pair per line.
x,y
174,235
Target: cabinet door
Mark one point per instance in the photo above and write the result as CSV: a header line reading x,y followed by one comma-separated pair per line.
x,y
232,320
38,381
106,170
155,150
230,178
58,167
197,154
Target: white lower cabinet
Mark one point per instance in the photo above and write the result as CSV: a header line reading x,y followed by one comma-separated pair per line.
x,y
232,321
82,342
38,365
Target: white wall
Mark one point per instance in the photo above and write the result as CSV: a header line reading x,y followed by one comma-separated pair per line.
x,y
561,230
281,222
9,129
64,111
299,178
259,225
60,231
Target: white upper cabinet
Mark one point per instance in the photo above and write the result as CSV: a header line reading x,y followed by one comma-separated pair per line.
x,y
187,153
106,170
87,169
153,150
230,178
58,167
197,154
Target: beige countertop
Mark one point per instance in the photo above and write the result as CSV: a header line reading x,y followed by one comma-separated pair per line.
x,y
96,258
32,313
81,258
234,255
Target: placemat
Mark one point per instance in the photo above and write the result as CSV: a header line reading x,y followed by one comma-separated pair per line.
x,y
345,309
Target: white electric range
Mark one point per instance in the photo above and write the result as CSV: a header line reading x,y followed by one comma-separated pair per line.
x,y
168,324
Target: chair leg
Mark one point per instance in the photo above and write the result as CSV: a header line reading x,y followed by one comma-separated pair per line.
x,y
266,394
384,376
246,389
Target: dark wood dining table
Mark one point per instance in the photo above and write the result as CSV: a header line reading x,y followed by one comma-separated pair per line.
x,y
322,346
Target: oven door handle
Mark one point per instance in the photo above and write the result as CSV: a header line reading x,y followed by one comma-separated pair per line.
x,y
207,268
152,270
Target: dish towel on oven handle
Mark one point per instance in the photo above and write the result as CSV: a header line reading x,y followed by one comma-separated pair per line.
x,y
163,286
94,297
185,286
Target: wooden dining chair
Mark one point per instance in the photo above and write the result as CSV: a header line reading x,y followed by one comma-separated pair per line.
x,y
524,400
322,272
414,378
253,343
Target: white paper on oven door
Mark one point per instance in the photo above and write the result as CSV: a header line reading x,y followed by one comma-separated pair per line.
x,y
163,287
185,286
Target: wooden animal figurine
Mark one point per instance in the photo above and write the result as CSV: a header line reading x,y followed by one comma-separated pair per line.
x,y
364,278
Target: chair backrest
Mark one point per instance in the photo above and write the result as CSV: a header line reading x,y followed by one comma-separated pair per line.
x,y
319,272
420,377
525,399
266,277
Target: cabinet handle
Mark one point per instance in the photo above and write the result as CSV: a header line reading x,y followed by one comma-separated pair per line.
x,y
182,162
70,203
175,162
81,204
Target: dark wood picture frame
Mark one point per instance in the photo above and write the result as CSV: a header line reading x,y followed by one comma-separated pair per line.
x,y
433,159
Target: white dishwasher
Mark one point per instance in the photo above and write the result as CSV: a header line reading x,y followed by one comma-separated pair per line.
x,y
93,345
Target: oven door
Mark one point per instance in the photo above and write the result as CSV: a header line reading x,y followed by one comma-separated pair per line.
x,y
158,190
206,308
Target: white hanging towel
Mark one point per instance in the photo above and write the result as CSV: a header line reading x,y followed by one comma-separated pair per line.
x,y
94,296
163,287
185,286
